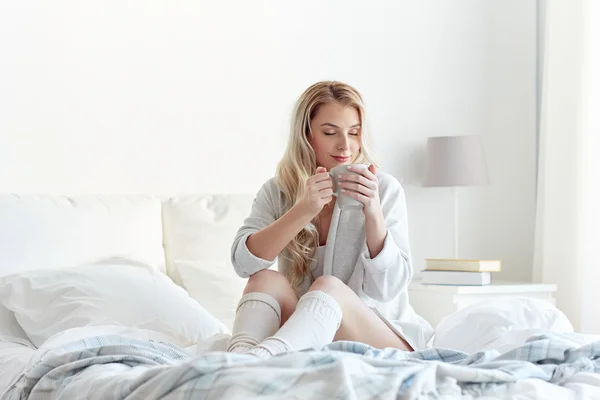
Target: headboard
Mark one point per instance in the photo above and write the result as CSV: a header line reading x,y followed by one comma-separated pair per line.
x,y
44,232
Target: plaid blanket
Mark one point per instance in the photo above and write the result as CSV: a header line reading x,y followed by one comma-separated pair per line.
x,y
117,367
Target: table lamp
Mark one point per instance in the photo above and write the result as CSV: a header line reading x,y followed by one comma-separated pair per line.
x,y
455,161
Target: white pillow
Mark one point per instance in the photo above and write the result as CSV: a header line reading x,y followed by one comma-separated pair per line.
x,y
214,285
47,302
202,227
10,330
493,324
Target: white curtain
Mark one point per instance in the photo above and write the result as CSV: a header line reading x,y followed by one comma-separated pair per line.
x,y
567,236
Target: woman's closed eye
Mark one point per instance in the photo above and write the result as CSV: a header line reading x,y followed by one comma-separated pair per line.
x,y
333,133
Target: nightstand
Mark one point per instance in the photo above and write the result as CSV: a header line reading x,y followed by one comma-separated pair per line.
x,y
434,302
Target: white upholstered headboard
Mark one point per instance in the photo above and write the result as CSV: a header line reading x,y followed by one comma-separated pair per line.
x,y
202,228
58,231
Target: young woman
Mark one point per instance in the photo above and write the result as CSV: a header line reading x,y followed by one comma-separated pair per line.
x,y
343,274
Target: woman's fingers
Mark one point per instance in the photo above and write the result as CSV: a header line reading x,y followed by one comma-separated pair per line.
x,y
357,187
358,179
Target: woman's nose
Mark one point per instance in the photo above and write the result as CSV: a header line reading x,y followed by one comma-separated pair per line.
x,y
343,143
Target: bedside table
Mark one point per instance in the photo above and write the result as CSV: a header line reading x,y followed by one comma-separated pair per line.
x,y
434,302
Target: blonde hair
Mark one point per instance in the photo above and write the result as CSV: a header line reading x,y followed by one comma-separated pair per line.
x,y
299,163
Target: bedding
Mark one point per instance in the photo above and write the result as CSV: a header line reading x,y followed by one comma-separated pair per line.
x,y
499,324
112,292
115,366
14,357
10,330
115,325
214,285
202,228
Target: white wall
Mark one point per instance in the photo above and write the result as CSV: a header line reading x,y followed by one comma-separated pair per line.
x,y
179,97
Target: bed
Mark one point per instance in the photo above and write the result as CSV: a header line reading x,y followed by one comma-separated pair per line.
x,y
134,297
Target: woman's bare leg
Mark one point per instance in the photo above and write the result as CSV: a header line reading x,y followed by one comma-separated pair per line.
x,y
359,322
329,311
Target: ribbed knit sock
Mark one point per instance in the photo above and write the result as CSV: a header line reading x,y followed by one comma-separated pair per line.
x,y
258,316
312,325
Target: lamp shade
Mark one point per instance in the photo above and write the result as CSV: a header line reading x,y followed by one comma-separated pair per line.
x,y
455,161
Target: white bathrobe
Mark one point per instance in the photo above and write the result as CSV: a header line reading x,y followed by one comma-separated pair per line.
x,y
381,282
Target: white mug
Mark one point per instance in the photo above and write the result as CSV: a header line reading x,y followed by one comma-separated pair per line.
x,y
345,202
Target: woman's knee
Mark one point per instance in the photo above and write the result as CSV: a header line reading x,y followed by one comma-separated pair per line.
x,y
275,284
331,285
265,278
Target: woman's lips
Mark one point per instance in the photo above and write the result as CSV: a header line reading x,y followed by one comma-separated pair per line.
x,y
341,159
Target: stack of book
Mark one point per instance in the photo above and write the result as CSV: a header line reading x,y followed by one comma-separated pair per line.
x,y
457,272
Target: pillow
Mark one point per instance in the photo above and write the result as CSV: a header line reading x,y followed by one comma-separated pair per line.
x,y
214,285
10,330
113,292
494,323
202,227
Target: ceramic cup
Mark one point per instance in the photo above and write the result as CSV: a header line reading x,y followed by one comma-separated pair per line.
x,y
345,202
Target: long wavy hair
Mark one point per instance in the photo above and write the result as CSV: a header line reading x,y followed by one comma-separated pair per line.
x,y
299,163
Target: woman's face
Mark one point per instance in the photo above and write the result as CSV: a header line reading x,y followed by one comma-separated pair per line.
x,y
336,134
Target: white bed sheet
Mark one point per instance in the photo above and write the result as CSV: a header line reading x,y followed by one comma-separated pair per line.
x,y
14,357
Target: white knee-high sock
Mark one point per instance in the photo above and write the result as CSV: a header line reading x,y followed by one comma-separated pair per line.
x,y
313,324
258,316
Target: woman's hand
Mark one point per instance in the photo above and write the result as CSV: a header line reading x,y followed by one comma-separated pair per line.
x,y
318,192
363,187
